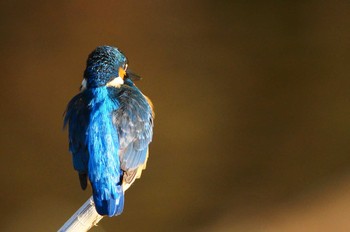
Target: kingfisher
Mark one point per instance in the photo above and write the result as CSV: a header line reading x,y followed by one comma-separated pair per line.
x,y
110,126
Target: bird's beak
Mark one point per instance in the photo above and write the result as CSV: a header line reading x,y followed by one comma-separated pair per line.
x,y
132,76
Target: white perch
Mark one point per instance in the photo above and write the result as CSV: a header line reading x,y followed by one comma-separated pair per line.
x,y
84,219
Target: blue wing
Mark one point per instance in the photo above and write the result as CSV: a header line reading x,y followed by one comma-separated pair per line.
x,y
77,118
134,121
93,148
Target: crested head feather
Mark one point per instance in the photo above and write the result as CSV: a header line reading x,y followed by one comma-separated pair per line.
x,y
103,65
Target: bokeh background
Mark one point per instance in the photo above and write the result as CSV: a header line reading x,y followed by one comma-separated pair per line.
x,y
252,101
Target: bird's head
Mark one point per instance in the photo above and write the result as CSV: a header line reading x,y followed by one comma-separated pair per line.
x,y
106,66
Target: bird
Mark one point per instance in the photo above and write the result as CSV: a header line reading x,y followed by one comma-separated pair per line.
x,y
110,127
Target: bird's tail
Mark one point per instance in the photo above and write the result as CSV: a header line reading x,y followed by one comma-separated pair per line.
x,y
110,207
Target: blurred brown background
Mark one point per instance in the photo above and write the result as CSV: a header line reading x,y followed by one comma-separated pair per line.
x,y
252,101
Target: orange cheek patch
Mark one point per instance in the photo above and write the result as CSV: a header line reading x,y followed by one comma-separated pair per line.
x,y
121,72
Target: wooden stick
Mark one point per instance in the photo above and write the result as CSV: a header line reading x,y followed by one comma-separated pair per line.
x,y
84,218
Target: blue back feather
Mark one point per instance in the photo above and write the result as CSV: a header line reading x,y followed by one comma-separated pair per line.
x,y
103,145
